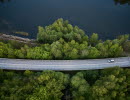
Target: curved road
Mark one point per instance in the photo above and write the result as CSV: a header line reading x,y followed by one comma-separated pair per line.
x,y
61,65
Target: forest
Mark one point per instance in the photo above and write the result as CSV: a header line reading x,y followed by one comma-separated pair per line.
x,y
61,40
107,84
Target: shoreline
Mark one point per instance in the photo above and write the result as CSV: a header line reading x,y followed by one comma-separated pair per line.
x,y
5,37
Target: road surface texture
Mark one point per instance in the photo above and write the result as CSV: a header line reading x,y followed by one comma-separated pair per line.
x,y
62,65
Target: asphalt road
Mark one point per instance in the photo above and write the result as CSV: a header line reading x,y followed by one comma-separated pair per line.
x,y
62,65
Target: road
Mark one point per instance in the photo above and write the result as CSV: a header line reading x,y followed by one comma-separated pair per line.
x,y
62,65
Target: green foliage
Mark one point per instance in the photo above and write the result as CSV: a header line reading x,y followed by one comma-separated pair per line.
x,y
46,85
3,50
16,44
64,50
103,50
123,38
80,87
56,50
115,50
126,46
64,41
59,29
93,53
91,76
38,53
112,85
94,39
107,84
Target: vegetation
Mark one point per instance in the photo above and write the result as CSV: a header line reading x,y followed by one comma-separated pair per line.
x,y
107,84
111,84
63,41
59,29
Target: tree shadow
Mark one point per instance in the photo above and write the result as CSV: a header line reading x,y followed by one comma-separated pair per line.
x,y
122,2
3,1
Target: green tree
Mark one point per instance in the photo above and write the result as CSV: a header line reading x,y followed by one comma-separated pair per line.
x,y
83,50
50,85
41,34
126,46
59,29
123,39
103,50
93,53
80,87
56,50
11,53
94,39
111,86
74,54
28,85
3,50
38,53
115,50
91,76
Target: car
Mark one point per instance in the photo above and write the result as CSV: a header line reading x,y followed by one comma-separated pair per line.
x,y
111,60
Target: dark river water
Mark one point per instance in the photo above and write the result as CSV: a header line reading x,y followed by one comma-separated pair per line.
x,y
108,18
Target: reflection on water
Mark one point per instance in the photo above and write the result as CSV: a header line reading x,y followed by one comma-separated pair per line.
x,y
122,2
5,1
5,25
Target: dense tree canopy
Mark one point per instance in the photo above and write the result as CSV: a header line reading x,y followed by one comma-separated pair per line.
x,y
46,85
62,50
107,84
59,29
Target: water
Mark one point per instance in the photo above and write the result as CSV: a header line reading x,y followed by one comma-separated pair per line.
x,y
108,18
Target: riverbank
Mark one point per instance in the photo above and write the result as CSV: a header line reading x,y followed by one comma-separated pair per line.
x,y
5,37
